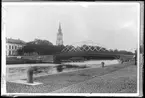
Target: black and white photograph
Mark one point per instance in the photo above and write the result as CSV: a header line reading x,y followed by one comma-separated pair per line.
x,y
72,48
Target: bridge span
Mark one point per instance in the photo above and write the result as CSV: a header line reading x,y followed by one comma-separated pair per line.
x,y
90,55
88,50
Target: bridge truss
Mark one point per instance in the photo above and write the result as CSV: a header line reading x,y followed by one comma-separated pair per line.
x,y
85,46
88,50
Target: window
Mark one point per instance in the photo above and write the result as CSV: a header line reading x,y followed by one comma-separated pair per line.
x,y
9,52
12,47
9,46
15,47
12,52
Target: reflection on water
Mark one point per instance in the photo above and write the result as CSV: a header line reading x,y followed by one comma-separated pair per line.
x,y
14,73
63,67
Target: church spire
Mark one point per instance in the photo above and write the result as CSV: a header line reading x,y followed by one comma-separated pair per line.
x,y
59,30
59,40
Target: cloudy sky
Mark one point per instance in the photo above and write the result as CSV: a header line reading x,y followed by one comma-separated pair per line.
x,y
112,25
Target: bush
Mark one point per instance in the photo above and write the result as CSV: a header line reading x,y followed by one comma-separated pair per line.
x,y
59,68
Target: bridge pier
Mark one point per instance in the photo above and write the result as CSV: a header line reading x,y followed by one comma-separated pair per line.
x,y
56,60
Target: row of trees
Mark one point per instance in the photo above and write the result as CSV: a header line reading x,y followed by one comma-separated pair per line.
x,y
40,47
44,47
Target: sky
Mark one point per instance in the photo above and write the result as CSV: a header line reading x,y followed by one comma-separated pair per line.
x,y
112,25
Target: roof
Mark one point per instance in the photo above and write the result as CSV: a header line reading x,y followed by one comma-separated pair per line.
x,y
14,41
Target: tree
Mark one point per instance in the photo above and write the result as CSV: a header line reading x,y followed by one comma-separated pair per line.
x,y
115,51
39,41
20,51
42,47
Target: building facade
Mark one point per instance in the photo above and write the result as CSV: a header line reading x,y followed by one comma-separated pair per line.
x,y
12,45
59,40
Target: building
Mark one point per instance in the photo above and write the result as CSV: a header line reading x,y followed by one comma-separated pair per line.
x,y
59,40
12,45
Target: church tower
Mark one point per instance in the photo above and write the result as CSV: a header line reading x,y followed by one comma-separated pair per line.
x,y
59,40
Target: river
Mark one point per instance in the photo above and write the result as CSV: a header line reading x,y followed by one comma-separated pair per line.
x,y
19,71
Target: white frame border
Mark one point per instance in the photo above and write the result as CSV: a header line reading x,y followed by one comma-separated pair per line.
x,y
84,4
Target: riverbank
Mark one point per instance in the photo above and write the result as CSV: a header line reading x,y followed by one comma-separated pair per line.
x,y
55,82
29,59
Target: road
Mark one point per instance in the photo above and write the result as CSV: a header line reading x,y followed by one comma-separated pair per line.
x,y
116,78
121,81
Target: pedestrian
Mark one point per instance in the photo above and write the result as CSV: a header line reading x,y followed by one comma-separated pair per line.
x,y
102,64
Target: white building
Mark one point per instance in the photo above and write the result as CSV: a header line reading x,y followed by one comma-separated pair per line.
x,y
12,45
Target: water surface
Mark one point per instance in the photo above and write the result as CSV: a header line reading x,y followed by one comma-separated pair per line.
x,y
19,71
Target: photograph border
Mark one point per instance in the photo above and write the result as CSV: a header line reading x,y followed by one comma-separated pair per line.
x,y
139,68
